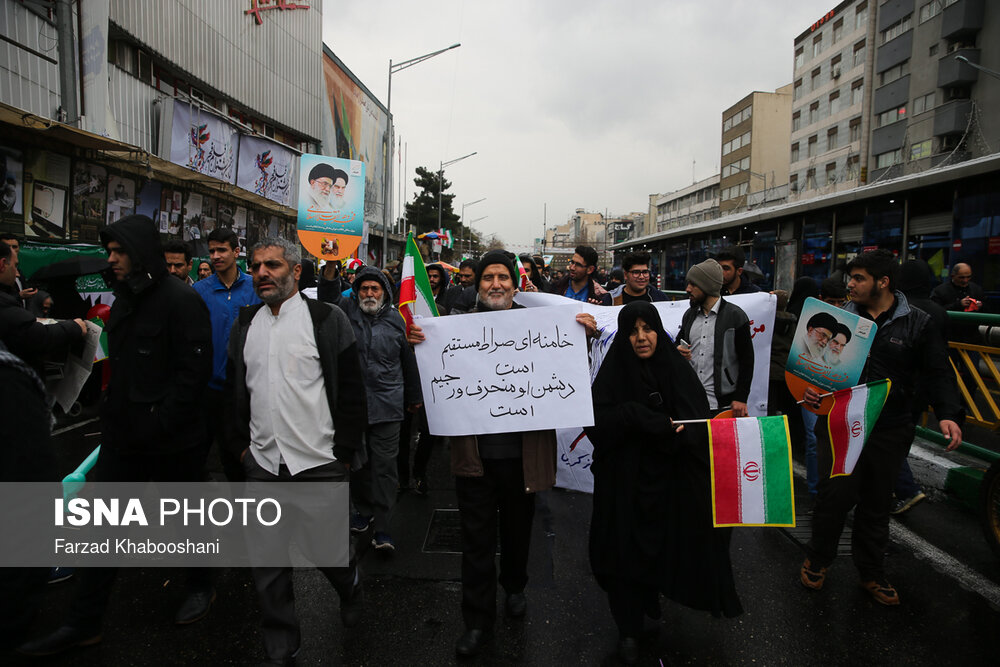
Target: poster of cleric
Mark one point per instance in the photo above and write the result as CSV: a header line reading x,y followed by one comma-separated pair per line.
x,y
331,205
830,346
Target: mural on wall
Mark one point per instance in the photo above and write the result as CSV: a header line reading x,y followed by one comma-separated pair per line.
x,y
47,180
11,184
360,126
90,196
199,140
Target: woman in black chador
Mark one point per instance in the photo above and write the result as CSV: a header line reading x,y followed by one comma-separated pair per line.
x,y
651,530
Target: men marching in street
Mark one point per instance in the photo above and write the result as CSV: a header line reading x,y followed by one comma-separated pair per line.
x,y
496,479
298,416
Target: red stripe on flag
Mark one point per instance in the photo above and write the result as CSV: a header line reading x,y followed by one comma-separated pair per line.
x,y
840,436
726,465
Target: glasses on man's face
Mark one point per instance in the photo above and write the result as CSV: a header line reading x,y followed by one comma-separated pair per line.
x,y
577,264
639,274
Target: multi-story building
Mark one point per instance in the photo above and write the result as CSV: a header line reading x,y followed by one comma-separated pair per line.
x,y
931,106
582,228
687,206
831,101
754,163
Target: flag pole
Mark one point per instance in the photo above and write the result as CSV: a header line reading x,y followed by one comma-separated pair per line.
x,y
829,393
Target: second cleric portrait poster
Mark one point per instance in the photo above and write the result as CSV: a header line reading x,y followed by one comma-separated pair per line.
x,y
829,349
331,205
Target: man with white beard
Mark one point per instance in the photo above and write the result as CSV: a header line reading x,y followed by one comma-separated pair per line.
x,y
327,186
841,337
389,370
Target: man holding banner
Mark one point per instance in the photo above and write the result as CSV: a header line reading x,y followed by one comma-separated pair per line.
x,y
497,476
906,349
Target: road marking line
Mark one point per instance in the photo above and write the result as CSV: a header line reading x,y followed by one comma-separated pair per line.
x,y
921,452
941,561
66,429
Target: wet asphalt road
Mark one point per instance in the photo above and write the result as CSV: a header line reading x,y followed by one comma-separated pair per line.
x,y
413,617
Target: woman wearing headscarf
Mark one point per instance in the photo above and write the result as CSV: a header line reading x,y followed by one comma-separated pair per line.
x,y
40,304
651,529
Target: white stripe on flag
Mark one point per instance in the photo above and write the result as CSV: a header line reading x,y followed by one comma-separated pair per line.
x,y
751,465
856,416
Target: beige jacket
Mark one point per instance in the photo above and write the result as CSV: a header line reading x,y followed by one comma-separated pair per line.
x,y
538,455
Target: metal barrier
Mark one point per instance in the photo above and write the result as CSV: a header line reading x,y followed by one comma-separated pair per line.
x,y
969,371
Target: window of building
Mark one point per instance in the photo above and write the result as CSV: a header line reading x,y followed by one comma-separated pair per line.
x,y
838,30
831,139
831,173
793,182
857,91
796,121
727,125
814,112
797,90
811,147
746,139
920,150
855,129
923,103
931,52
795,152
834,102
888,159
746,113
811,179
859,54
835,66
890,116
800,57
853,167
929,10
895,30
815,82
860,15
817,46
893,73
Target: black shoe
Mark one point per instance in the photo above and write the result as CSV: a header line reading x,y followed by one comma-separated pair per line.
x,y
195,607
628,650
471,642
516,605
63,639
350,610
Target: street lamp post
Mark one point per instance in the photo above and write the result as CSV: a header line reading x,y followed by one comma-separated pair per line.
x,y
977,66
469,249
387,206
470,229
441,179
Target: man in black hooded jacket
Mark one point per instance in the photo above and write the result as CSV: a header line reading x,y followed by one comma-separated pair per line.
x,y
160,351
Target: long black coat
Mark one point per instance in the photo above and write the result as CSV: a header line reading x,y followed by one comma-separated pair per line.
x,y
160,351
652,514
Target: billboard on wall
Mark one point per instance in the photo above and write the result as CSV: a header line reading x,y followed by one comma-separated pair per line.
x,y
267,168
359,131
199,140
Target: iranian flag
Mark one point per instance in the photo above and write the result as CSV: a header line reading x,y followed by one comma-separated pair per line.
x,y
415,297
851,420
751,472
101,353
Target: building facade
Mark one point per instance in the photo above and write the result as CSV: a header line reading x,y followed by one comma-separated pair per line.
x,y
755,133
831,102
931,105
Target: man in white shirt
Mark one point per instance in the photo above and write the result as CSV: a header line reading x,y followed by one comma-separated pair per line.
x,y
299,416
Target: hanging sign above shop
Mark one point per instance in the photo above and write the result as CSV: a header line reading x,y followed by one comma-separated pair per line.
x,y
258,6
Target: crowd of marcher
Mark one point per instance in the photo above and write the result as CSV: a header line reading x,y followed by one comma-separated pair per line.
x,y
298,374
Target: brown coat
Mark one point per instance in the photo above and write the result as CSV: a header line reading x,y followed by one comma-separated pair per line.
x,y
538,455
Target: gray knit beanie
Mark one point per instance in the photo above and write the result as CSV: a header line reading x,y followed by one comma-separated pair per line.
x,y
706,276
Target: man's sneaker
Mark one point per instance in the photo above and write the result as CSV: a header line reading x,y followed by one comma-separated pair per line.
x,y
360,524
383,543
420,486
57,574
882,592
901,505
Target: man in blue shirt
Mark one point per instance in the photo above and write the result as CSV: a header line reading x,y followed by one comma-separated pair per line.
x,y
224,292
579,282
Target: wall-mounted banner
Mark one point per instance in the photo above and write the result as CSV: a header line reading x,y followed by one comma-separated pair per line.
x,y
199,140
829,350
331,205
267,168
500,372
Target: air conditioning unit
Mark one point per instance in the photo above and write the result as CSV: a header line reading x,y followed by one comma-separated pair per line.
x,y
835,73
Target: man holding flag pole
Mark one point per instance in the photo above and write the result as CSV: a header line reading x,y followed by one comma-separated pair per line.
x,y
907,349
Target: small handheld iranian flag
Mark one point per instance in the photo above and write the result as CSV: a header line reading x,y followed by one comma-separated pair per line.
x,y
751,472
416,299
851,419
523,282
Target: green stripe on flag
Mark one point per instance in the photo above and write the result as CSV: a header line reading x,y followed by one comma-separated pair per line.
x,y
778,507
877,393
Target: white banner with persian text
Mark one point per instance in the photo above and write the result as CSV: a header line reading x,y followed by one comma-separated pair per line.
x,y
509,371
575,450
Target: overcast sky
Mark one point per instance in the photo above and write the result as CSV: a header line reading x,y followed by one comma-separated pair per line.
x,y
571,104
